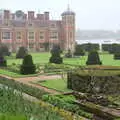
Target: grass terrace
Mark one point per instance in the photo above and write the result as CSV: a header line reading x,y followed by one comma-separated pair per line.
x,y
56,84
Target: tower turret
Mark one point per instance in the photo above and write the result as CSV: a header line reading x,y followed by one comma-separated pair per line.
x,y
68,21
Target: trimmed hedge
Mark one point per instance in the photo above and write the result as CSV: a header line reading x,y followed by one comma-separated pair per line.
x,y
79,51
3,62
117,56
21,52
111,48
4,51
89,47
56,58
90,83
28,67
68,54
93,58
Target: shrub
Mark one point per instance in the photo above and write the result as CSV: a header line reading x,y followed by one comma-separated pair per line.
x,y
93,58
67,103
55,58
4,51
46,45
106,47
3,62
117,56
68,54
89,47
21,52
114,48
79,51
95,82
28,67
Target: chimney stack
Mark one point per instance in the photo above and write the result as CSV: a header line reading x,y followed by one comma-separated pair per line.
x,y
31,15
6,14
46,14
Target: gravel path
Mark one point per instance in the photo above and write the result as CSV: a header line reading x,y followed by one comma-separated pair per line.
x,y
27,81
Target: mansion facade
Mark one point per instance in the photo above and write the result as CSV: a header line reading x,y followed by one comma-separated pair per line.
x,y
34,31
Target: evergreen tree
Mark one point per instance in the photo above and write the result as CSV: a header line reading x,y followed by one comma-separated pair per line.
x,y
93,58
27,66
3,62
79,51
68,54
21,52
56,58
46,46
4,51
117,56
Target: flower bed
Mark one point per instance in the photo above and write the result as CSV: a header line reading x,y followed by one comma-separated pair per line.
x,y
57,67
67,103
38,93
13,103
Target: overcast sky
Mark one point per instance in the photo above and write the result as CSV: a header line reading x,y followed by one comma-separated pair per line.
x,y
90,14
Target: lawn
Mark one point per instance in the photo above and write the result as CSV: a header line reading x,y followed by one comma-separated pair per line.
x,y
38,58
56,84
43,58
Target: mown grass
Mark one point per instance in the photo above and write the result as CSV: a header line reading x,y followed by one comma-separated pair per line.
x,y
43,58
38,58
56,84
15,75
12,117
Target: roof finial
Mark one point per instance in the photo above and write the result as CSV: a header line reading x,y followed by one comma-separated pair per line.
x,y
68,7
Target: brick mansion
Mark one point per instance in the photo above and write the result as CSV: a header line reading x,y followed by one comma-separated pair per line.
x,y
33,31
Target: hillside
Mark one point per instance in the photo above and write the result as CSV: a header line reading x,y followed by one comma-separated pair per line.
x,y
97,34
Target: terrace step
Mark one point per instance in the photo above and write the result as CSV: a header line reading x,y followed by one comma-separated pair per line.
x,y
104,112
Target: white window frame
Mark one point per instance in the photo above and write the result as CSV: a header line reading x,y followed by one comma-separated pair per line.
x,y
43,33
4,32
17,36
29,36
51,35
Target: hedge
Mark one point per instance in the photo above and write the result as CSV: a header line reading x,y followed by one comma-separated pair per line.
x,y
91,83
